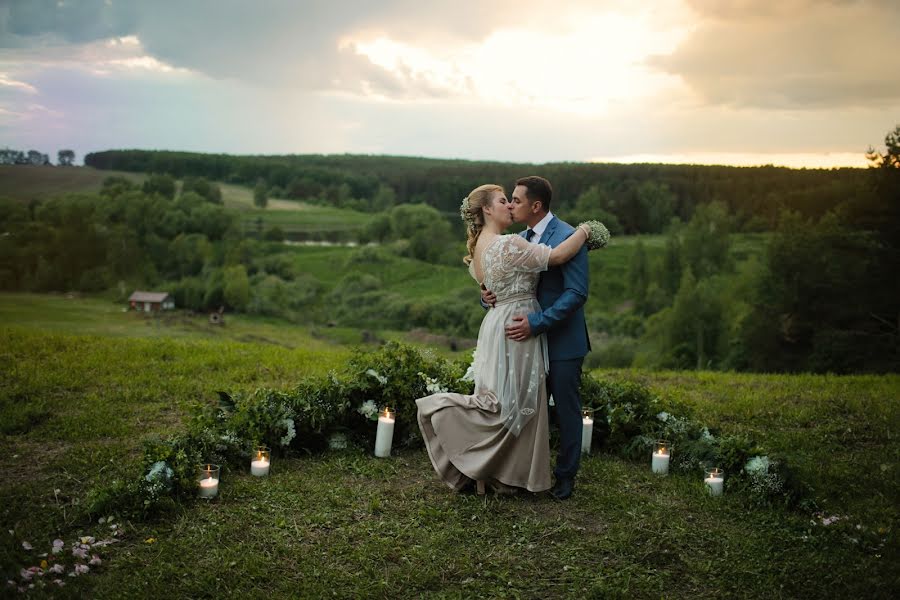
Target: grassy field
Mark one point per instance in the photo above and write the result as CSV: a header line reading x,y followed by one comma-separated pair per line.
x,y
293,217
74,409
24,182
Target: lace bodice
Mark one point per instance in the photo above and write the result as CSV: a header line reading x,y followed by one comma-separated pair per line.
x,y
512,266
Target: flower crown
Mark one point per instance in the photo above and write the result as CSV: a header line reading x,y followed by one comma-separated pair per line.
x,y
467,217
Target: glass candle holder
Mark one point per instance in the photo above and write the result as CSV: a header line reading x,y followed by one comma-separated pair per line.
x,y
715,481
260,460
208,480
662,451
587,429
384,436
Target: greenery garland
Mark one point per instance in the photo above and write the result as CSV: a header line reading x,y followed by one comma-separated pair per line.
x,y
336,410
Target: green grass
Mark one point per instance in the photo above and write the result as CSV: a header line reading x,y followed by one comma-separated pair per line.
x,y
836,431
75,408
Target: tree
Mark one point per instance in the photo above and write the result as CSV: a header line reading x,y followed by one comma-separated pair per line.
x,y
658,203
164,185
66,158
890,158
8,156
638,275
591,205
705,242
237,287
35,157
670,269
384,199
694,328
204,188
261,194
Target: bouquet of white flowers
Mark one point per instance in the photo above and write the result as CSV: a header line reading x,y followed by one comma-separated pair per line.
x,y
598,236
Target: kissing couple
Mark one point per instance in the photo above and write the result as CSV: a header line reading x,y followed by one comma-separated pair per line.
x,y
531,345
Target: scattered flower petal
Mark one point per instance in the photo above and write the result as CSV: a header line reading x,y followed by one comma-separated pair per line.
x,y
150,541
58,568
26,545
95,560
59,582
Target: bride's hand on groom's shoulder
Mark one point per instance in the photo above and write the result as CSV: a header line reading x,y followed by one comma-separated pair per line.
x,y
597,234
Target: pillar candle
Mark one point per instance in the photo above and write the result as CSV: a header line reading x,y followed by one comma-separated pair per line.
x,y
587,431
385,434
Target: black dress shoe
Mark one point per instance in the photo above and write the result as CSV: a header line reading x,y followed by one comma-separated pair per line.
x,y
563,489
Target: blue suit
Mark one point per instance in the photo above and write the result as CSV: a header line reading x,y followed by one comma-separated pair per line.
x,y
562,292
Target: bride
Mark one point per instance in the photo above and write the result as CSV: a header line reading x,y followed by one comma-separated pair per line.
x,y
500,434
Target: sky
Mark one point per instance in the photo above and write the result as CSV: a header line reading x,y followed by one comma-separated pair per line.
x,y
801,83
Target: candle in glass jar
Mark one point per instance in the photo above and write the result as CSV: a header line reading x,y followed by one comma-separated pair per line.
x,y
587,431
208,481
259,466
715,482
384,436
660,464
209,487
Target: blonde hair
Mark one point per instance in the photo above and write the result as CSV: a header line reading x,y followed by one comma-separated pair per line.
x,y
473,214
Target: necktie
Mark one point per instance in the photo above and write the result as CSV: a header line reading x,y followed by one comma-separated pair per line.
x,y
529,233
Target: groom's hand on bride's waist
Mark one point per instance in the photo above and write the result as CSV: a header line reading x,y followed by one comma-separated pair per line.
x,y
488,297
520,330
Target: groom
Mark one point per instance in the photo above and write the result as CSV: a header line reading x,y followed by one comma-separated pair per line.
x,y
562,292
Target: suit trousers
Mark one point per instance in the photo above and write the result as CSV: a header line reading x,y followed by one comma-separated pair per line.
x,y
563,383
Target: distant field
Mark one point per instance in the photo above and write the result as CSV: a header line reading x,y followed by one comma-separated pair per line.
x,y
77,315
23,182
296,219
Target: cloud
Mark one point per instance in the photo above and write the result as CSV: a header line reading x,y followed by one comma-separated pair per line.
x,y
280,43
798,54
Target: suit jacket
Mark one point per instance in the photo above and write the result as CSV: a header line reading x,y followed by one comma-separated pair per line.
x,y
562,292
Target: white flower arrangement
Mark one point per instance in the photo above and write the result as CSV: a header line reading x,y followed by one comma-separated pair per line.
x,y
337,441
432,385
758,465
290,431
368,410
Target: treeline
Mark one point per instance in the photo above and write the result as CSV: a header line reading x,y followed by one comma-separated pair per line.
x,y
642,197
824,297
10,156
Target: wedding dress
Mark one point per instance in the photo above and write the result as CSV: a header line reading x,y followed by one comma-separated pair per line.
x,y
501,432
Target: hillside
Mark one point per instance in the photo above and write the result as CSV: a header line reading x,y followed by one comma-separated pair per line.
x,y
343,522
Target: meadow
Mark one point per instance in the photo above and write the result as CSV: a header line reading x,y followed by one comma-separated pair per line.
x,y
82,384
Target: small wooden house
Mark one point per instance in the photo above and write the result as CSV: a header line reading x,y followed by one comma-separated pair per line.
x,y
151,301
